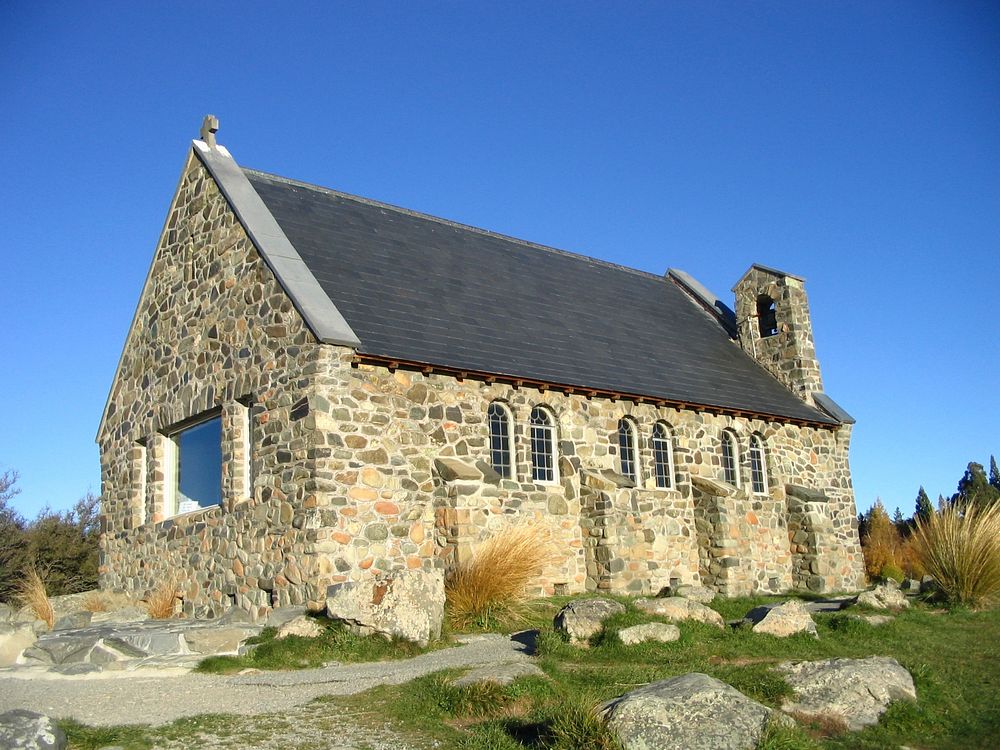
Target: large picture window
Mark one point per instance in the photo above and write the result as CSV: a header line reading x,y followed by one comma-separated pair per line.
x,y
543,451
198,465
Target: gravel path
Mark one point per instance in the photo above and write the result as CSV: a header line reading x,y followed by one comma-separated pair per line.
x,y
147,698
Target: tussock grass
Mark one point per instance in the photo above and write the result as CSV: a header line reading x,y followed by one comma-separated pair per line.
x,y
961,549
31,593
161,601
95,602
490,590
575,722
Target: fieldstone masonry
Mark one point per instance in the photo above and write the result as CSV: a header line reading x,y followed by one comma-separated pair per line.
x,y
359,471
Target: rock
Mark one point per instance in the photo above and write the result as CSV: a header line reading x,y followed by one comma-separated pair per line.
x,y
883,596
856,691
27,729
73,621
224,640
679,608
929,585
783,620
112,650
6,613
503,674
123,615
651,631
690,712
407,604
155,642
301,626
234,616
583,618
13,640
911,585
699,594
61,649
278,617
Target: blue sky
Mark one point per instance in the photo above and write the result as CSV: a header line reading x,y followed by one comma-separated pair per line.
x,y
856,144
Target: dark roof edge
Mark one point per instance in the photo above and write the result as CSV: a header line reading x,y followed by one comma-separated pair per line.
x,y
719,309
393,363
832,408
315,306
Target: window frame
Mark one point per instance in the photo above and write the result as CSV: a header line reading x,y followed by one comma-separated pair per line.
x,y
545,432
758,455
730,462
505,418
628,442
663,472
172,458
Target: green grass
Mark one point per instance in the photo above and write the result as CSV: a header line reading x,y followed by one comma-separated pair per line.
x,y
335,644
952,655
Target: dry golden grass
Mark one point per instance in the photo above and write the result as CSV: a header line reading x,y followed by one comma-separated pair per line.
x,y
31,592
961,549
95,602
160,602
491,588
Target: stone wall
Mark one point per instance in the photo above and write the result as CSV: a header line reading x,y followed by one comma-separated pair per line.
x,y
359,470
790,354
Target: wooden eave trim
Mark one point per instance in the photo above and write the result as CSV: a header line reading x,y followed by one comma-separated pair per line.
x,y
544,385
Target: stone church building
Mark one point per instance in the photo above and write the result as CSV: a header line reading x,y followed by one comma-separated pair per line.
x,y
318,388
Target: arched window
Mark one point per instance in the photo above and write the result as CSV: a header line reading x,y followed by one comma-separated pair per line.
x,y
627,459
499,421
758,466
767,316
543,445
730,459
663,456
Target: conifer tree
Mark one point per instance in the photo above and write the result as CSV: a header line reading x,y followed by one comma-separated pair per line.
x,y
924,509
974,489
994,473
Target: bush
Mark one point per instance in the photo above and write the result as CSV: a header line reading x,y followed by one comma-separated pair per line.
x,y
490,590
893,572
962,551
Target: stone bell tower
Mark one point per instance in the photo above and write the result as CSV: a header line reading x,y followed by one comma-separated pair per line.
x,y
772,314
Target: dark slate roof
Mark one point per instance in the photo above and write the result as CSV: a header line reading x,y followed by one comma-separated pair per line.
x,y
422,289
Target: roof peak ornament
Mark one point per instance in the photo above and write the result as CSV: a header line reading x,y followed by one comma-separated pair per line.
x,y
209,128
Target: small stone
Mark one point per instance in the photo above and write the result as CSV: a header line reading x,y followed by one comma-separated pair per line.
x,y
783,620
301,626
883,596
583,618
679,608
652,631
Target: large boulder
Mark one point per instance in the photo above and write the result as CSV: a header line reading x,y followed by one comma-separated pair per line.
x,y
690,712
856,691
783,620
13,640
29,730
408,604
883,596
679,608
583,618
651,631
221,640
73,621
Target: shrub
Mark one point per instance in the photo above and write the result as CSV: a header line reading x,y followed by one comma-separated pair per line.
x,y
490,590
161,601
890,571
962,551
881,543
31,593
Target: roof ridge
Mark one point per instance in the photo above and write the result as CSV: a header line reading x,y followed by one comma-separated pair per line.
x,y
456,224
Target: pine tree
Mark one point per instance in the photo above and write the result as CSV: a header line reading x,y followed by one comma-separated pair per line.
x,y
899,522
994,474
974,489
924,509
